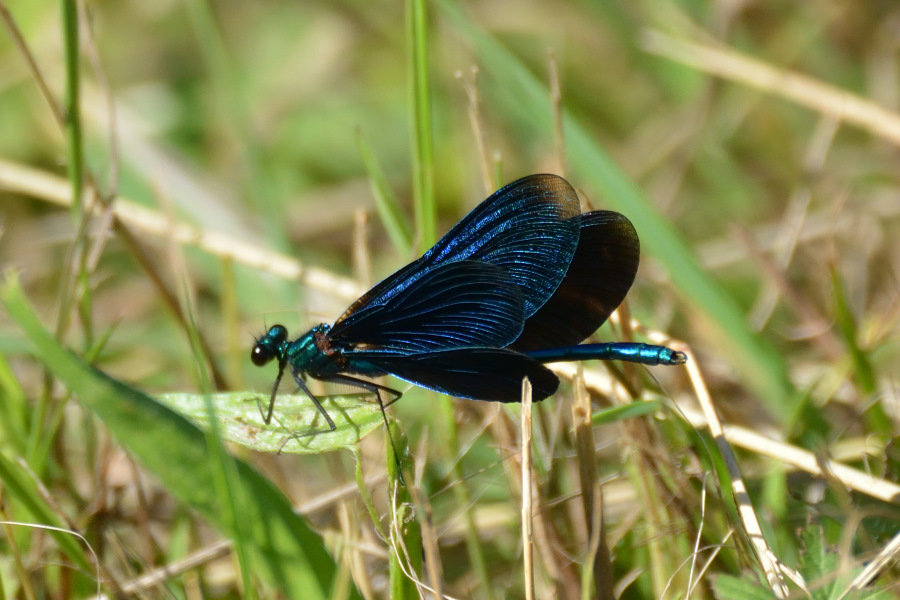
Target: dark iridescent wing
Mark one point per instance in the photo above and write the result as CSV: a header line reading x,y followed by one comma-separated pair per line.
x,y
478,373
529,228
599,276
454,305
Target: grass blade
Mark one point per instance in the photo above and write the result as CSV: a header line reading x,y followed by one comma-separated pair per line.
x,y
422,134
621,412
391,213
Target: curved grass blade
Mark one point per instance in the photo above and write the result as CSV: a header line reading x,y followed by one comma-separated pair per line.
x,y
624,412
297,429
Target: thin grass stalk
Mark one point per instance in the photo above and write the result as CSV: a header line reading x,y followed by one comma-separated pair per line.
x,y
463,497
597,574
864,373
365,495
592,584
556,105
476,122
69,10
79,285
360,571
235,354
527,487
391,213
349,527
425,516
74,285
406,534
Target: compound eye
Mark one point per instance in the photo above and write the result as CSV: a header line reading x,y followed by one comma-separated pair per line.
x,y
261,354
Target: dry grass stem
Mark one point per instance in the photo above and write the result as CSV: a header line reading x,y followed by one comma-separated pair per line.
x,y
775,570
804,90
527,486
45,186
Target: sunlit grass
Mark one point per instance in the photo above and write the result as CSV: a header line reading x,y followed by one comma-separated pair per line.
x,y
753,150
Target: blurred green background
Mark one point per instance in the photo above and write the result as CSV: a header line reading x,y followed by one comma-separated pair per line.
x,y
767,227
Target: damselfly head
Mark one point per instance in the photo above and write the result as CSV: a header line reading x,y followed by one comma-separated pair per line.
x,y
269,346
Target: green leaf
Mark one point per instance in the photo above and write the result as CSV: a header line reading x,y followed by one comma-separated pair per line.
x,y
625,411
283,549
297,428
727,587
824,570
